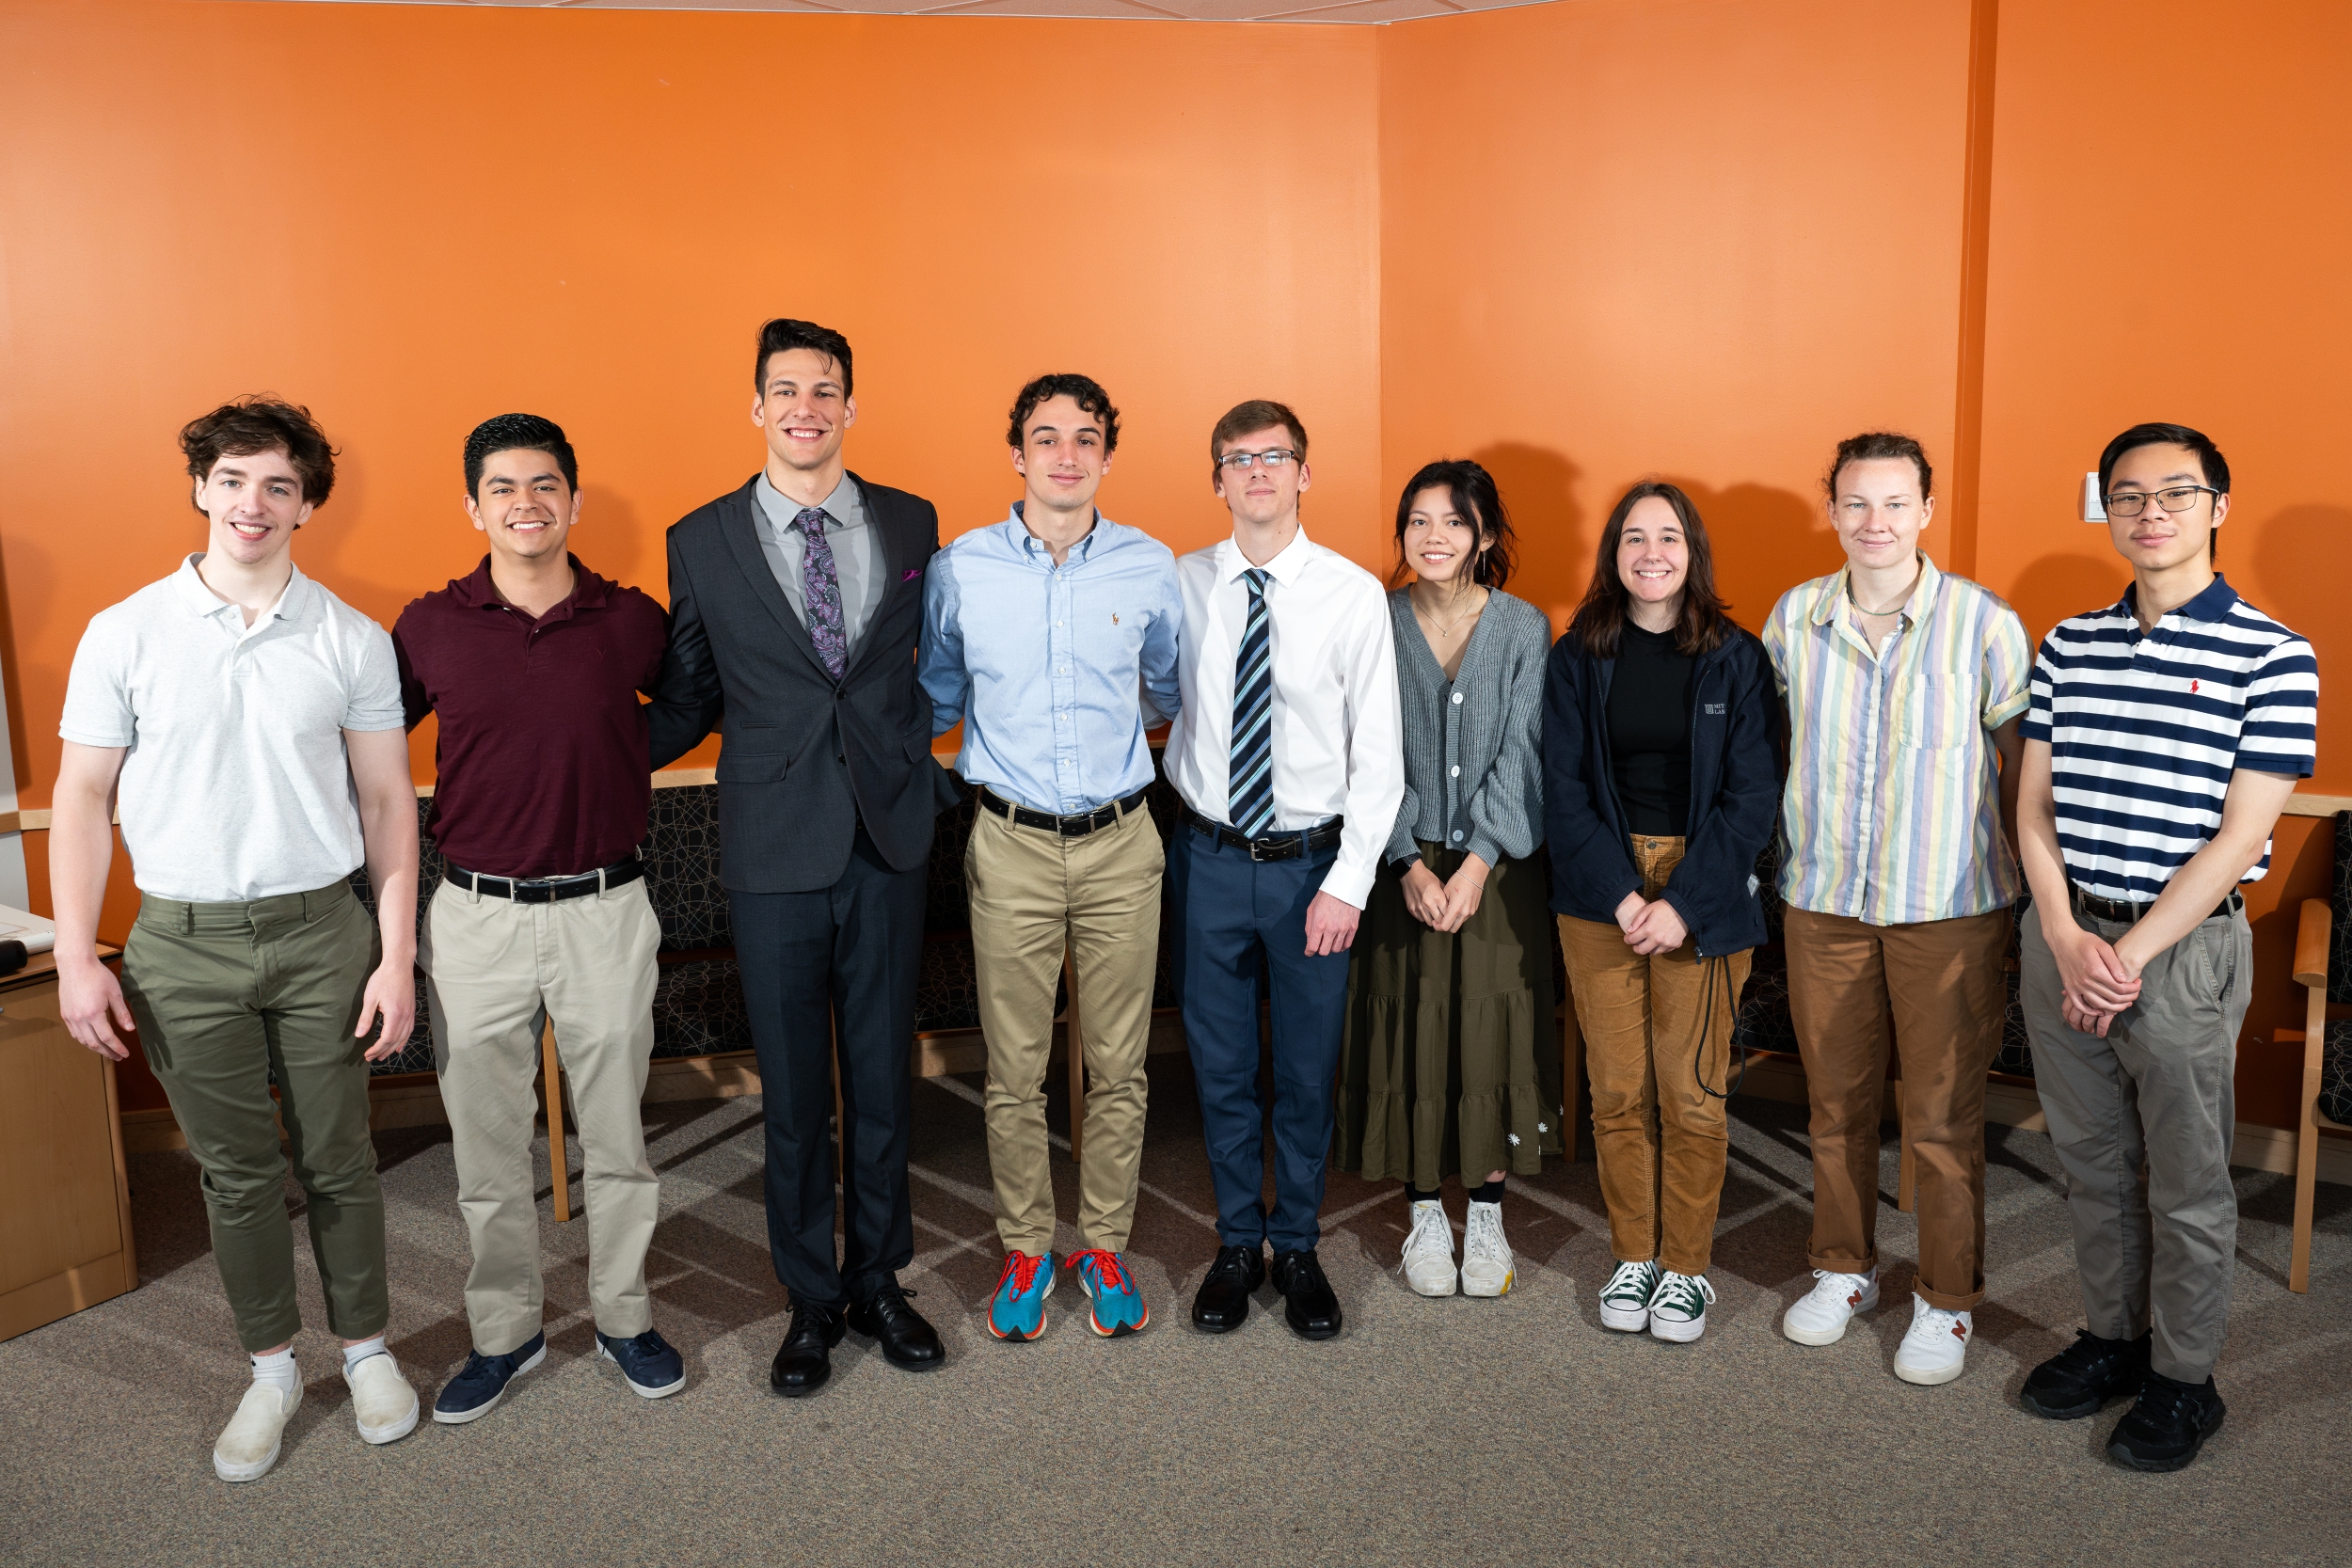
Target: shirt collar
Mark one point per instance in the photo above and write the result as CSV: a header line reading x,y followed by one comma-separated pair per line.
x,y
1914,607
1017,530
189,584
1284,568
2213,604
589,591
785,512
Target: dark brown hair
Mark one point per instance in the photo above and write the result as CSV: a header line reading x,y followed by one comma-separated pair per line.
x,y
260,423
785,334
1601,617
1257,414
1475,498
1084,390
1875,444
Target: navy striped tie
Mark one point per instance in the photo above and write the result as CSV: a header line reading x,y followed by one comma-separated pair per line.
x,y
1250,777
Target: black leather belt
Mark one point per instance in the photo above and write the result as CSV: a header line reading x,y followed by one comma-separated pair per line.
x,y
1067,826
1274,847
547,890
2131,915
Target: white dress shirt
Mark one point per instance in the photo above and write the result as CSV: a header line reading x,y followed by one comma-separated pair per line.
x,y
1338,739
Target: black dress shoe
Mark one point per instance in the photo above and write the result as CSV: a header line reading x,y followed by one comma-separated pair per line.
x,y
1223,1300
1308,1302
907,1341
2085,1375
2168,1424
803,1360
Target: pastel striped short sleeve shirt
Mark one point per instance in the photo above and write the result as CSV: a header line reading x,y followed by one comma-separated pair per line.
x,y
2145,730
1892,814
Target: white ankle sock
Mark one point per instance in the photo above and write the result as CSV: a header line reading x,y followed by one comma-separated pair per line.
x,y
278,1371
354,1355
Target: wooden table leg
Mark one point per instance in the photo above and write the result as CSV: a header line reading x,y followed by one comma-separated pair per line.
x,y
559,1164
1073,1042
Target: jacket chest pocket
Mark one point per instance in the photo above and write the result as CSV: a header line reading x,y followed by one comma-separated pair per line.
x,y
1937,713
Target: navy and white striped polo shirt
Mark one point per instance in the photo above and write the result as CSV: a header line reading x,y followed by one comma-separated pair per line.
x,y
2145,731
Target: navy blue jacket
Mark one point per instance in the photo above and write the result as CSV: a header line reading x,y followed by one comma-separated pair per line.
x,y
1735,793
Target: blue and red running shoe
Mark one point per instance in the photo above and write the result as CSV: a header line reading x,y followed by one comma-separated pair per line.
x,y
1117,1305
1017,1310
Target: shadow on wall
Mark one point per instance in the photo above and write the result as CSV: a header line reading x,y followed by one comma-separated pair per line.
x,y
2302,558
2057,586
1538,488
1765,542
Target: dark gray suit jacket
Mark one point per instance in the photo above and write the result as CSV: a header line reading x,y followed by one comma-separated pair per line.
x,y
800,761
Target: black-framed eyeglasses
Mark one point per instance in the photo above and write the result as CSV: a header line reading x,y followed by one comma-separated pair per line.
x,y
1235,462
2172,498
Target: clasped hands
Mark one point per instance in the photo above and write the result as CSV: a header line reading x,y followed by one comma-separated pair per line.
x,y
1445,906
1650,925
2100,980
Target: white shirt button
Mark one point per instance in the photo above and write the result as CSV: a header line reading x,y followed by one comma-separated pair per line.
x,y
1454,772
1457,835
1457,699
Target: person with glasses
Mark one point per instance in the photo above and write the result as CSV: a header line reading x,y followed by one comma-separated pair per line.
x,y
1661,788
2166,734
1905,686
533,664
1052,637
1448,1067
1289,763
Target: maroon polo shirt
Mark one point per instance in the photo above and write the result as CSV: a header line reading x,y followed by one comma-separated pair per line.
x,y
543,754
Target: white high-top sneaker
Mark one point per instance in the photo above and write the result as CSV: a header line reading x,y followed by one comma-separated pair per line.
x,y
249,1444
1428,1265
1487,1260
1935,1349
1625,1300
381,1400
1820,1318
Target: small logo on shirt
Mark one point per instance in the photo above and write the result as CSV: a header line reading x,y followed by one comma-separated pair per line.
x,y
2192,689
1714,707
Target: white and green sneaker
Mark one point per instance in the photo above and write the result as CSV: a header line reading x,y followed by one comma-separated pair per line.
x,y
1625,1300
1678,1313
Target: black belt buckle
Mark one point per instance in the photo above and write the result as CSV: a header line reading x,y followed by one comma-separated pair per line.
x,y
1289,847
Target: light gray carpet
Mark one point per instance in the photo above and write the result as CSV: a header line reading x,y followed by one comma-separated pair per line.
x,y
1510,1432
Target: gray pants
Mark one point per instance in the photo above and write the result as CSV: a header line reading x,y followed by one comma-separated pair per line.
x,y
2159,1251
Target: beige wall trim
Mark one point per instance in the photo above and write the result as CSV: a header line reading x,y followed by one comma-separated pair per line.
x,y
2300,804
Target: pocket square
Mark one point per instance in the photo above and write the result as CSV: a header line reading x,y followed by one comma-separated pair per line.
x,y
911,574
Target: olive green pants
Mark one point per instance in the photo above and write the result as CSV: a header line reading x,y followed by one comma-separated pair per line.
x,y
225,996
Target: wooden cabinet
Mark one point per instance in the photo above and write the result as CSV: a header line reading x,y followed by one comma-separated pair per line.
x,y
64,1202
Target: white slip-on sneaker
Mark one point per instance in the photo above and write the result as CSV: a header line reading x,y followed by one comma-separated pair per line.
x,y
249,1444
1486,1261
381,1400
1428,1265
1625,1300
1821,1316
1678,1313
1935,1348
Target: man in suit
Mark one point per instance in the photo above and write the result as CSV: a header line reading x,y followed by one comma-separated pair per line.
x,y
796,605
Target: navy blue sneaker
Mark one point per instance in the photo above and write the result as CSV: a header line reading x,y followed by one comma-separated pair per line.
x,y
647,1362
475,1392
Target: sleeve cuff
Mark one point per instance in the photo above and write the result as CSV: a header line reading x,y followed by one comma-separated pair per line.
x,y
1487,849
1348,885
87,737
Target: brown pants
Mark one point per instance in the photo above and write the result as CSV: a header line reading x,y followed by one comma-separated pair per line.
x,y
1943,982
1655,1027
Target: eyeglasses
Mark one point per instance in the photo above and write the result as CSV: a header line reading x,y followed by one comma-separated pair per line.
x,y
2178,497
1234,462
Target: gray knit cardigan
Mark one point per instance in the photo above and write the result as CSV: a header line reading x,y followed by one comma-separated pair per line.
x,y
1474,756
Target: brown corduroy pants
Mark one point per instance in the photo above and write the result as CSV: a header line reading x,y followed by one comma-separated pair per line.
x,y
1943,981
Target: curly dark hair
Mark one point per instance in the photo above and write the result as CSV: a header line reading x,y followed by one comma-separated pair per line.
x,y
1084,390
259,423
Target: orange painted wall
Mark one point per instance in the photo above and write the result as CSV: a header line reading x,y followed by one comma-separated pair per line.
x,y
1698,239
2171,208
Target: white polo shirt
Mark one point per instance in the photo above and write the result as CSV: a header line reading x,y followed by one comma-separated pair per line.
x,y
237,786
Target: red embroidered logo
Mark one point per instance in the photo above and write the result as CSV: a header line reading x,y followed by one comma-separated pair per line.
x,y
2192,687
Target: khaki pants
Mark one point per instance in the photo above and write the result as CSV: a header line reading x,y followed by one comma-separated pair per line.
x,y
498,971
1033,892
1655,1028
2155,1251
226,995
1944,982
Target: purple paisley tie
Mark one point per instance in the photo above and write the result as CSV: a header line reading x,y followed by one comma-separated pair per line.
x,y
820,584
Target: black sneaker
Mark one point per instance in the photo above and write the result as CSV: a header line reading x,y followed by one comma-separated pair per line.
x,y
475,1392
646,1361
2171,1422
2085,1375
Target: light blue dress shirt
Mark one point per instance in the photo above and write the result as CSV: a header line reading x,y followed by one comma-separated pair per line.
x,y
1055,672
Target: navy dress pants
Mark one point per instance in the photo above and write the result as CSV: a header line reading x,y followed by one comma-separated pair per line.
x,y
851,949
1230,911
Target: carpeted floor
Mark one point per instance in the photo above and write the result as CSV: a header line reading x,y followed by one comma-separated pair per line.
x,y
1510,1431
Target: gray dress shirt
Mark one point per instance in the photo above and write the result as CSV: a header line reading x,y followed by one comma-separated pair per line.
x,y
856,551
